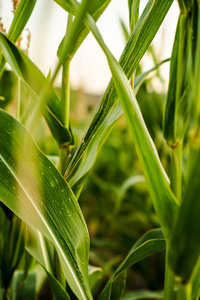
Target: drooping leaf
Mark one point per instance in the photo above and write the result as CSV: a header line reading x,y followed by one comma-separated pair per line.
x,y
157,181
150,243
22,15
95,145
34,78
137,45
34,190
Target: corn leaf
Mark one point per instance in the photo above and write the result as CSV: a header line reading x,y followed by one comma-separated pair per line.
x,y
177,104
35,191
34,78
169,114
22,15
24,291
39,248
95,278
157,181
150,243
185,244
133,7
96,9
139,41
95,146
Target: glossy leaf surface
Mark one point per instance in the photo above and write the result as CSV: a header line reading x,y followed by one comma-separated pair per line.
x,y
34,190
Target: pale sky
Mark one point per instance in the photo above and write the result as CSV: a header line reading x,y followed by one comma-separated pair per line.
x,y
89,69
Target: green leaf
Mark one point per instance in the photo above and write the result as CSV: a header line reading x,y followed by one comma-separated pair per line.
x,y
22,15
169,114
150,243
95,145
12,248
23,290
133,7
158,183
41,249
185,244
143,294
34,190
7,88
177,103
34,78
96,9
95,277
139,41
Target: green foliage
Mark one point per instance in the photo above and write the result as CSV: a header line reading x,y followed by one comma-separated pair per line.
x,y
128,184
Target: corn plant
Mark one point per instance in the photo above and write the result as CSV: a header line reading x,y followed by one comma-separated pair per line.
x,y
41,220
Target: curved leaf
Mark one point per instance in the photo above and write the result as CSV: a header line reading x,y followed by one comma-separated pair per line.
x,y
34,190
157,180
39,248
137,45
96,9
150,243
34,78
95,145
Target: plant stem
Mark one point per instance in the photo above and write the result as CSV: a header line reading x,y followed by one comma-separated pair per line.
x,y
65,99
169,280
176,171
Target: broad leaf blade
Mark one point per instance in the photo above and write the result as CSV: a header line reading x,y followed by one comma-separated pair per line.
x,y
34,190
149,244
139,41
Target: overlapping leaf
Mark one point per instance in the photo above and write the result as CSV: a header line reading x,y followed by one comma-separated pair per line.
x,y
164,201
34,78
35,191
137,45
150,243
95,145
96,9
